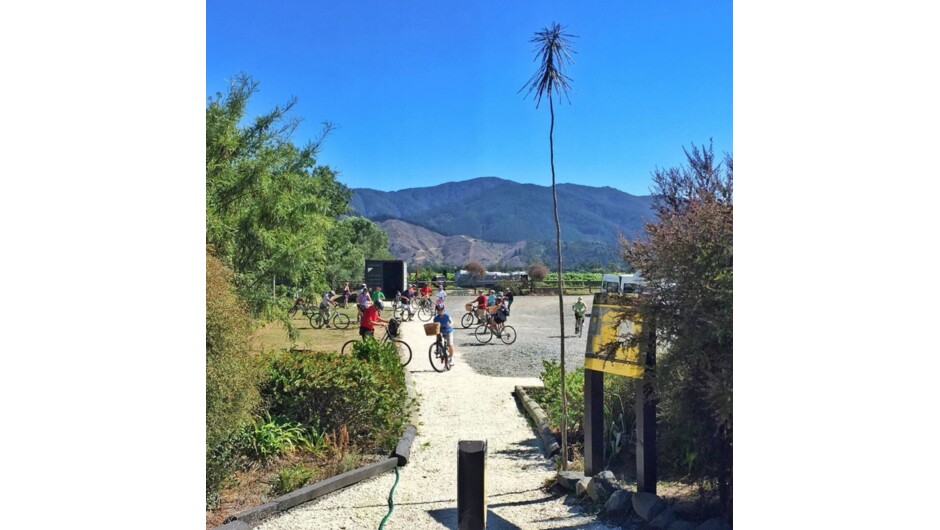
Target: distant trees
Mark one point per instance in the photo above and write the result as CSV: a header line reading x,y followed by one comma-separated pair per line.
x,y
475,269
687,261
554,50
537,272
351,242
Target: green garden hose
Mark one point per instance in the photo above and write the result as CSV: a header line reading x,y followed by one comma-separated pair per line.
x,y
390,503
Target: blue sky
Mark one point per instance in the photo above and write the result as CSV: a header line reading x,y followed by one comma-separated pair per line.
x,y
424,92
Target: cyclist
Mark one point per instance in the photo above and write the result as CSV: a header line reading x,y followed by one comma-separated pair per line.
x,y
579,309
491,299
480,301
441,295
425,291
402,300
325,304
370,316
447,332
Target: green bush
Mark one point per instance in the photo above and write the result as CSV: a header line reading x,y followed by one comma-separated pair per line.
x,y
267,437
291,478
326,390
551,398
231,375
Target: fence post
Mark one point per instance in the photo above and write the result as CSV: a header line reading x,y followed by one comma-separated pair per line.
x,y
471,485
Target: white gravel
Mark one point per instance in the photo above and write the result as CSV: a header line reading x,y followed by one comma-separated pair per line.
x,y
471,402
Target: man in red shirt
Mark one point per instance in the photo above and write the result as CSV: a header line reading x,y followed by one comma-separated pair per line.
x,y
480,301
425,291
369,317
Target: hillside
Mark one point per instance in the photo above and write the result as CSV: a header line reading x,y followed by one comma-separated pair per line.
x,y
480,207
493,220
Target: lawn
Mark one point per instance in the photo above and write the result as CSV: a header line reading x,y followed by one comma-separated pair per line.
x,y
273,336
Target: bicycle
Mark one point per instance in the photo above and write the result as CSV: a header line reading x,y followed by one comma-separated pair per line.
x,y
485,332
578,324
299,305
404,350
339,320
425,309
402,310
469,318
439,354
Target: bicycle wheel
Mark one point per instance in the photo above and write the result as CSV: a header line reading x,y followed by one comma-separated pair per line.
x,y
404,351
425,313
482,333
347,346
508,335
467,320
291,312
341,321
315,321
438,357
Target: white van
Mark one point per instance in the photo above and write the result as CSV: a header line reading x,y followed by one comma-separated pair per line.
x,y
622,283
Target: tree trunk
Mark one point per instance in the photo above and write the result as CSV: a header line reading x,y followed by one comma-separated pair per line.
x,y
561,291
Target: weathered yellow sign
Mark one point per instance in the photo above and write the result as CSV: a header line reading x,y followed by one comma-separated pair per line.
x,y
610,344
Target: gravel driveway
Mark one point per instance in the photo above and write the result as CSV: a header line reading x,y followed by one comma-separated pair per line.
x,y
471,402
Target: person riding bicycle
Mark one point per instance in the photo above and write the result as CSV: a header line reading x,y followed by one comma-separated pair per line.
x,y
370,316
441,296
480,301
579,309
499,318
425,291
447,332
325,304
491,299
402,301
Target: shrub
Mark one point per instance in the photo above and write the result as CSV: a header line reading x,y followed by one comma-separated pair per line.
x,y
231,375
291,478
551,399
475,269
327,391
267,437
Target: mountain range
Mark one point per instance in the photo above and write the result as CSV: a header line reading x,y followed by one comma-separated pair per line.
x,y
498,221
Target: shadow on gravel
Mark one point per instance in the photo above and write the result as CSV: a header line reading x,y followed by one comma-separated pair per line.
x,y
528,450
448,518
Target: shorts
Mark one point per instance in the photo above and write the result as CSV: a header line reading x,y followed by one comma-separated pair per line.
x,y
363,331
449,336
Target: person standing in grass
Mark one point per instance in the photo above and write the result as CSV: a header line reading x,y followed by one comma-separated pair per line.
x,y
346,294
447,332
378,298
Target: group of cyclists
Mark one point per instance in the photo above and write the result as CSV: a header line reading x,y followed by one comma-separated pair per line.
x,y
371,303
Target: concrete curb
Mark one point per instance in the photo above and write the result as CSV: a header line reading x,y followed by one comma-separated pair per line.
x,y
541,422
247,519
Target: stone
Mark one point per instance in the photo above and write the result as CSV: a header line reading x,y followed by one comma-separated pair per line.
x,y
568,479
664,519
618,503
599,491
606,475
647,505
715,523
581,487
679,524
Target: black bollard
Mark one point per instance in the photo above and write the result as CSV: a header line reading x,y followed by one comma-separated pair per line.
x,y
471,485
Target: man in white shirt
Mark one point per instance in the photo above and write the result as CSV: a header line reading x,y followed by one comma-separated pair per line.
x,y
441,295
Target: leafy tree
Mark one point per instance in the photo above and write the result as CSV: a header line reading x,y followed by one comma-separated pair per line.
x,y
475,269
553,49
231,374
269,205
351,242
687,260
537,272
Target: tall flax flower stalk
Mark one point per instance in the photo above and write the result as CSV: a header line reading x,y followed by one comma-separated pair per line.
x,y
553,51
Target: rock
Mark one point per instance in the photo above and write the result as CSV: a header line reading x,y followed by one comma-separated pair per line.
x,y
618,503
715,523
679,524
568,479
581,487
647,505
606,475
664,519
599,490
571,500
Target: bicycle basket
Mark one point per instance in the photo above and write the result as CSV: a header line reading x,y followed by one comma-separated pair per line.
x,y
393,325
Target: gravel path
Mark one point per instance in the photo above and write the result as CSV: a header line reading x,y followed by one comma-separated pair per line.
x,y
471,402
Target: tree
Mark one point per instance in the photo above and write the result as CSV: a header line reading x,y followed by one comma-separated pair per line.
x,y
687,262
475,269
553,49
351,242
269,205
537,272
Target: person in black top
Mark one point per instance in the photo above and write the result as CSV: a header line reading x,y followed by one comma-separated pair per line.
x,y
508,296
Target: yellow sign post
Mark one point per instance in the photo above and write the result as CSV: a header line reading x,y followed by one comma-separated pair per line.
x,y
611,347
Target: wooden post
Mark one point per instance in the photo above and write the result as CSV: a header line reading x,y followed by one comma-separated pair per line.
x,y
646,415
593,422
471,485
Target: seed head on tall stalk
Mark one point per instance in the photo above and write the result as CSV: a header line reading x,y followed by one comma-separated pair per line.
x,y
553,51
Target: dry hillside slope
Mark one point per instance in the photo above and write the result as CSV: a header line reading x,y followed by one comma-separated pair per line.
x,y
417,245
